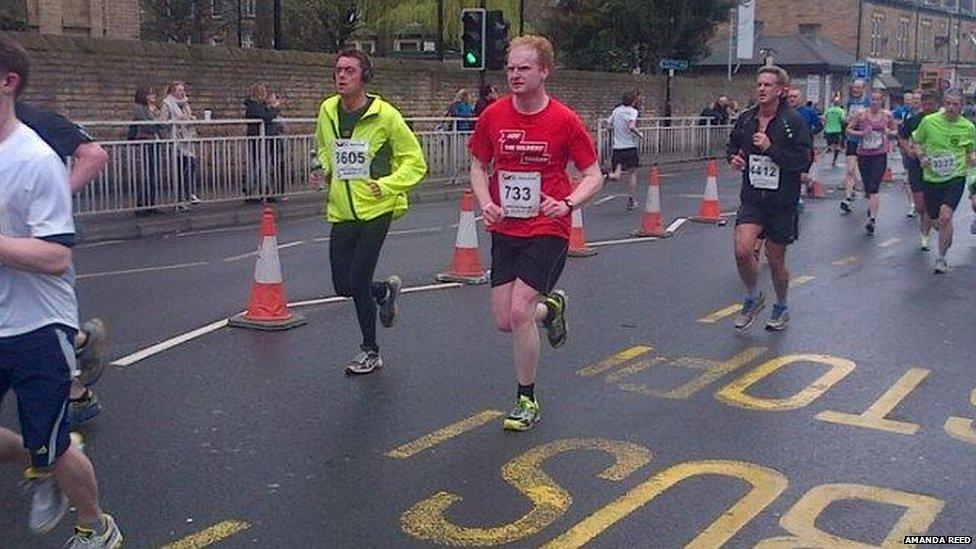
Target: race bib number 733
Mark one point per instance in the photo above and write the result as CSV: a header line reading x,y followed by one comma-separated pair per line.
x,y
520,193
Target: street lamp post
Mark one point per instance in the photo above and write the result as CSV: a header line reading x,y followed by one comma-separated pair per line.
x,y
277,24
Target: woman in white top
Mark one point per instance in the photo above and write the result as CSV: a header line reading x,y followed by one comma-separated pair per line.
x,y
176,106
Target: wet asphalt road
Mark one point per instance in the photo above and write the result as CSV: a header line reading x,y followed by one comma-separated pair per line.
x,y
661,427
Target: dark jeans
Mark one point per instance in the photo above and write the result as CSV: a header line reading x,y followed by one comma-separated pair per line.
x,y
149,169
354,250
188,177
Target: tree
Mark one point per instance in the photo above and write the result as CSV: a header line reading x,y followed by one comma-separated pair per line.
x,y
617,35
187,21
13,15
319,25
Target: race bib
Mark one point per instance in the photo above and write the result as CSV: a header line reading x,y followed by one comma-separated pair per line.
x,y
873,140
350,158
521,193
943,165
763,173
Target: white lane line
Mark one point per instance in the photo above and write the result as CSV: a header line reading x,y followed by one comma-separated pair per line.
x,y
160,347
169,344
623,241
338,299
254,253
608,198
98,244
142,270
476,218
416,231
890,242
216,231
676,224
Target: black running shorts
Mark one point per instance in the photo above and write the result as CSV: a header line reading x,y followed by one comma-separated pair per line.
x,y
948,193
538,261
780,224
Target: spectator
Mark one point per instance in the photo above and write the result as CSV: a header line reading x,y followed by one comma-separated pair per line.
x,y
734,112
258,105
176,107
462,108
145,110
275,130
487,96
718,112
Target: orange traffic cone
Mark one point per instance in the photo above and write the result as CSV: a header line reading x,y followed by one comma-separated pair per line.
x,y
267,308
710,210
816,189
651,224
577,237
466,266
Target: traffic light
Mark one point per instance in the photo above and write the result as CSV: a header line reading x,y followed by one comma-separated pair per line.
x,y
496,43
473,38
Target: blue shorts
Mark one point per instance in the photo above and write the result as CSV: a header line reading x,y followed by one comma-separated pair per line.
x,y
39,366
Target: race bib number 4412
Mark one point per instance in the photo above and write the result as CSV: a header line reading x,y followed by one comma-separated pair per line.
x,y
763,173
520,193
350,157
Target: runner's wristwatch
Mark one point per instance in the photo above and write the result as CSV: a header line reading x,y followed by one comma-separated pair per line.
x,y
569,204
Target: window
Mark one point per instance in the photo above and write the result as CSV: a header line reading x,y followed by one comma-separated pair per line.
x,y
368,46
407,45
248,8
926,41
810,29
877,34
216,10
247,41
966,6
904,24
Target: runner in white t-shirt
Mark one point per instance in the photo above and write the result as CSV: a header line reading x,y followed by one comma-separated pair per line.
x,y
39,320
626,158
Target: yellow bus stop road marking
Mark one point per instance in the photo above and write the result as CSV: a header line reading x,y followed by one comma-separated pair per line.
x,y
720,314
215,534
443,434
851,260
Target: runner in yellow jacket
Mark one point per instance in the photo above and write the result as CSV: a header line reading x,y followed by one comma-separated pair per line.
x,y
372,159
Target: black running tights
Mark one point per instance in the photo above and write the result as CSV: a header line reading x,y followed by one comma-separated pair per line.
x,y
354,250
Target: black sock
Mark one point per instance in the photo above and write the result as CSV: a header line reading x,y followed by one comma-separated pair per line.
x,y
380,291
527,391
835,156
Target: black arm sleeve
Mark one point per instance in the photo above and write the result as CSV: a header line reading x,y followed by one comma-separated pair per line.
x,y
61,134
735,140
793,153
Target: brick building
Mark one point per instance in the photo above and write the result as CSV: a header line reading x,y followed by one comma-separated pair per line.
x,y
97,18
915,31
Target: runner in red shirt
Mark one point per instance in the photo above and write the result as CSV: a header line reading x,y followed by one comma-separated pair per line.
x,y
528,138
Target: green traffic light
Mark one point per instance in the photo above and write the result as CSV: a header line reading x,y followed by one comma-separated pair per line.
x,y
470,58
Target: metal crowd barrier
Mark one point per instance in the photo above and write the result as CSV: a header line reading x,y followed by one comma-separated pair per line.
x,y
214,160
671,139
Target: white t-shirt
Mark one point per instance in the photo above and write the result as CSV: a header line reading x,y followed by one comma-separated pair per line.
x,y
620,120
34,203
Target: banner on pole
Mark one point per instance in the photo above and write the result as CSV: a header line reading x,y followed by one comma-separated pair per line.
x,y
746,29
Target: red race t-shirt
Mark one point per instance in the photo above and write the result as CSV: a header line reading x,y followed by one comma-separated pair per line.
x,y
542,143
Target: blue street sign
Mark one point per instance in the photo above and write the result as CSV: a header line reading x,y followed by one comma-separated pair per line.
x,y
674,64
861,70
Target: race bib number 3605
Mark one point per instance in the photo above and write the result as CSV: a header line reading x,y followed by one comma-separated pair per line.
x,y
350,157
763,173
520,193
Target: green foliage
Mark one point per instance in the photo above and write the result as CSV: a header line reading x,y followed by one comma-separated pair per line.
x,y
320,25
616,35
13,15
